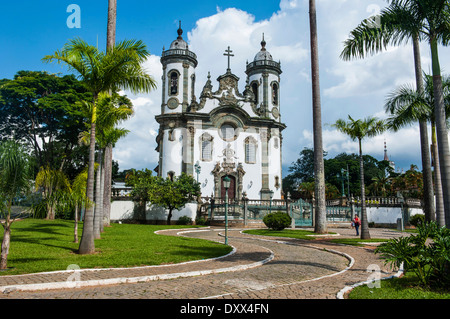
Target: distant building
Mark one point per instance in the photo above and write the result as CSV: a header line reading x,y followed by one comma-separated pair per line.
x,y
386,158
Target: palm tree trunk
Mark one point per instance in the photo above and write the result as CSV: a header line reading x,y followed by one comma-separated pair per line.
x,y
87,245
5,246
107,182
440,215
110,42
6,239
111,29
101,198
441,130
319,171
365,234
98,199
75,228
428,194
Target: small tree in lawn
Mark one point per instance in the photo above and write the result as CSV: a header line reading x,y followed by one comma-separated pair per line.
x,y
174,194
14,182
142,182
357,130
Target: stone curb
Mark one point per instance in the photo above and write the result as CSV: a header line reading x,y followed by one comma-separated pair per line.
x,y
124,280
347,289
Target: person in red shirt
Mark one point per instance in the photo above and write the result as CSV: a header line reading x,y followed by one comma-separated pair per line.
x,y
356,223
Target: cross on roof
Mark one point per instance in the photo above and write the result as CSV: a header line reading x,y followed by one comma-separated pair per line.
x,y
229,55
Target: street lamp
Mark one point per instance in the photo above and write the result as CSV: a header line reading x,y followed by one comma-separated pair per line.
x,y
270,203
226,185
401,200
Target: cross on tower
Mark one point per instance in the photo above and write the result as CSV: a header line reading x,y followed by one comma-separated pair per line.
x,y
229,55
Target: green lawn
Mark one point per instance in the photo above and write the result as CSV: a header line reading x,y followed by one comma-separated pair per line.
x,y
41,245
405,287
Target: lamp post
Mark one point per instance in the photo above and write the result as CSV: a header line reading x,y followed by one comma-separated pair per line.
x,y
226,185
401,200
270,203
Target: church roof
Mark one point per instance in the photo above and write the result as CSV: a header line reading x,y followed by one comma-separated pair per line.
x,y
179,43
263,54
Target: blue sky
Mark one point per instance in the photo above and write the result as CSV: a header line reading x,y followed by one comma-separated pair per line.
x,y
33,29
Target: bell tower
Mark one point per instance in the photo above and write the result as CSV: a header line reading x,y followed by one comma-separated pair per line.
x,y
178,80
264,80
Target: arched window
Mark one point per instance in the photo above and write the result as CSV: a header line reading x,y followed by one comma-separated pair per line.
x,y
206,144
173,88
255,91
192,86
275,94
250,150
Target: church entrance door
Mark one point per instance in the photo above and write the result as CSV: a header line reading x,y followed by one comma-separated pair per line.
x,y
231,190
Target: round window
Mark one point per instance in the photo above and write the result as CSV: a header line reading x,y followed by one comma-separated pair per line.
x,y
227,132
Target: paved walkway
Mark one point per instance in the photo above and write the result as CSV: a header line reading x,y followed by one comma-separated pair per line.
x,y
258,268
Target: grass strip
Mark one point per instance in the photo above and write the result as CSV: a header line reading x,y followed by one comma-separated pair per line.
x,y
43,245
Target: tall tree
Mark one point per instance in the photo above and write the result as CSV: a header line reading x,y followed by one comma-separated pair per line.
x,y
53,184
357,130
393,26
110,111
407,105
319,171
107,182
429,20
39,108
78,199
14,182
118,68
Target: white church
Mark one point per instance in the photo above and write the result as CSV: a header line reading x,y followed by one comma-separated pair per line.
x,y
223,132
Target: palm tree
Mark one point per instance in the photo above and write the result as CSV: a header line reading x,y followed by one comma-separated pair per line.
x,y
319,170
107,182
79,199
53,184
427,20
358,130
14,182
393,26
110,111
406,105
119,68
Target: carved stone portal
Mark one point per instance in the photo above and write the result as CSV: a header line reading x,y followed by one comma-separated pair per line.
x,y
224,169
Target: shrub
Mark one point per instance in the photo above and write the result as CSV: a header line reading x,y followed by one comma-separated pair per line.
x,y
184,220
428,260
417,219
277,220
201,221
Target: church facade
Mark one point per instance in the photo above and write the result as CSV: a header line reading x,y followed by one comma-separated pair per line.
x,y
222,132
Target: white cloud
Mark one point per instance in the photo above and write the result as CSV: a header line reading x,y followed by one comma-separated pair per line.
x,y
356,87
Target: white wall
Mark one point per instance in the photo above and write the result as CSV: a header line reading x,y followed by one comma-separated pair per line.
x,y
121,210
388,215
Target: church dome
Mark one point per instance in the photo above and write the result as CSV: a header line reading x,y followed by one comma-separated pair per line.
x,y
263,54
179,43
